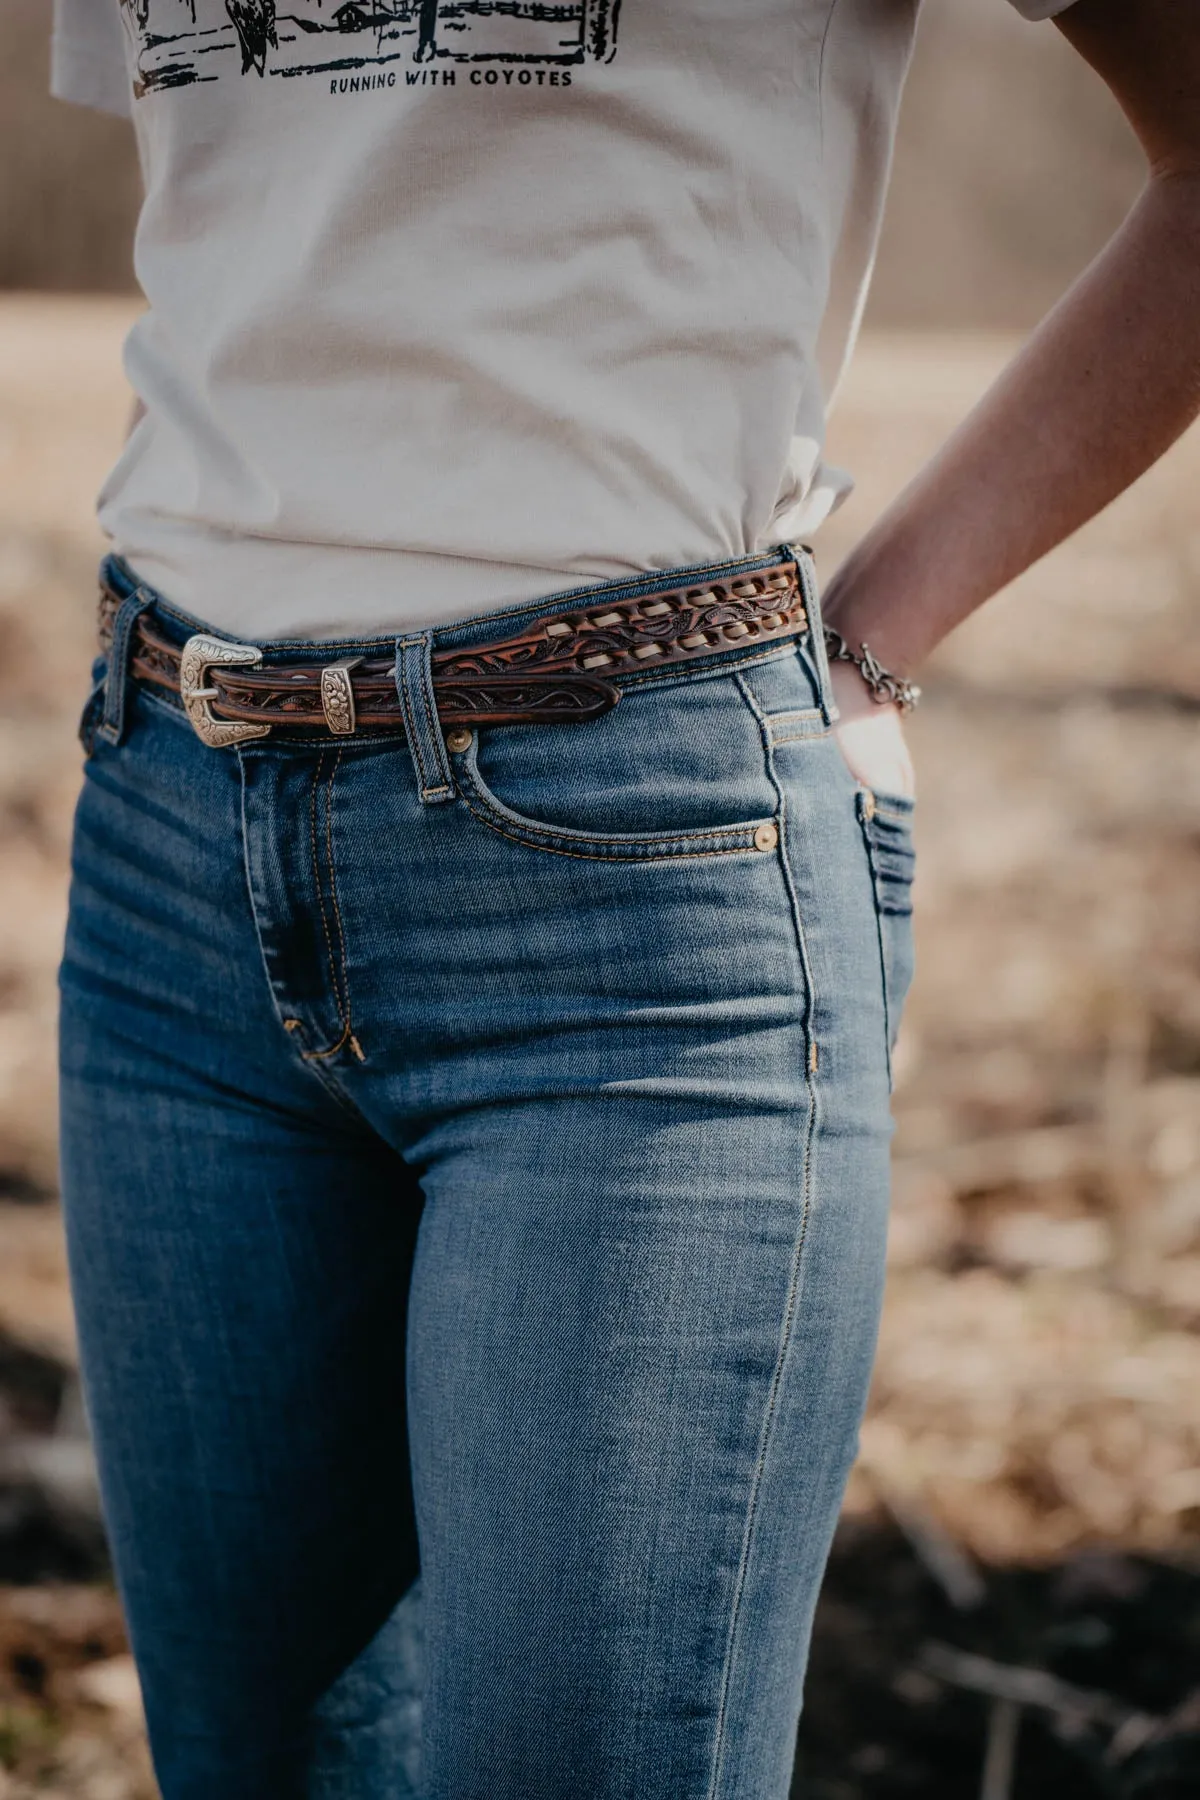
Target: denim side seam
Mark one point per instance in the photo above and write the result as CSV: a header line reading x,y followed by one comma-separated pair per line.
x,y
796,1274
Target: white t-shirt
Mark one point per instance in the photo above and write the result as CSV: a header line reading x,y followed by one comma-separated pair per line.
x,y
455,303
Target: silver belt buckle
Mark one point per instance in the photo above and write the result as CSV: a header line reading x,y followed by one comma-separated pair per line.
x,y
200,654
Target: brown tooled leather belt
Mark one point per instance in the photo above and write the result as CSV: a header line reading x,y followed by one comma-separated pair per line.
x,y
563,667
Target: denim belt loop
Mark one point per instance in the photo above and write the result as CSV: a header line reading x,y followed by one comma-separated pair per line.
x,y
116,681
414,684
806,569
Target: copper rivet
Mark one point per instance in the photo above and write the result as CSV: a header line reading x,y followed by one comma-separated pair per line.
x,y
458,740
766,837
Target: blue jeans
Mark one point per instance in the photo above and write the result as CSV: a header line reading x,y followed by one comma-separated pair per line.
x,y
486,1185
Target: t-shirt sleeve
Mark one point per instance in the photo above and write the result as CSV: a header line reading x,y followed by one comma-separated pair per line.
x,y
87,55
1041,9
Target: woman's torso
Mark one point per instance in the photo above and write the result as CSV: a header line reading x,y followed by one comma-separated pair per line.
x,y
452,306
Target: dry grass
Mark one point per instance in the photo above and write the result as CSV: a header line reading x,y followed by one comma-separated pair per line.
x,y
1039,1378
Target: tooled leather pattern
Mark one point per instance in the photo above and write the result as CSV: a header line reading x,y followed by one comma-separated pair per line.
x,y
500,702
496,701
155,661
559,668
766,603
298,704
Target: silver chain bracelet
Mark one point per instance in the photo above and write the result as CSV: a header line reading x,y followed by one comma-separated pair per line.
x,y
886,689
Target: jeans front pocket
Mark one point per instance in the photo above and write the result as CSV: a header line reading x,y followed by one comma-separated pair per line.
x,y
886,822
677,769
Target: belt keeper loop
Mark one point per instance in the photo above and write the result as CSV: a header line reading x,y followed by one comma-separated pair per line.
x,y
807,574
418,703
116,681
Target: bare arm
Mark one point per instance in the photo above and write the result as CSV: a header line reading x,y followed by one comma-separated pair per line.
x,y
1102,389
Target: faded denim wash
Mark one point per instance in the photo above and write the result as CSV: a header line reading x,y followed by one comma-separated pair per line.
x,y
489,1186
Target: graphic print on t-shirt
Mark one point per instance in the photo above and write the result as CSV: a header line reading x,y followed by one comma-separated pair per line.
x,y
178,42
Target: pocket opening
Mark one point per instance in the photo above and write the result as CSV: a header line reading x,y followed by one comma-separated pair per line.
x,y
684,765
665,846
886,824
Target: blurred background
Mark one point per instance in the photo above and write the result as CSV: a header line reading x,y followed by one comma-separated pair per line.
x,y
1014,1601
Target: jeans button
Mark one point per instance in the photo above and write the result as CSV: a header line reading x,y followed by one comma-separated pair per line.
x,y
458,740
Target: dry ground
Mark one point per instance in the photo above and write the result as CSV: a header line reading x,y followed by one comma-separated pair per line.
x,y
1038,1390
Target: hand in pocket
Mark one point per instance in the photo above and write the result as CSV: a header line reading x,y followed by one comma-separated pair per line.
x,y
871,737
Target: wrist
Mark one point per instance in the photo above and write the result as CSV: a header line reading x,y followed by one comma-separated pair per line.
x,y
893,633
885,687
852,696
883,594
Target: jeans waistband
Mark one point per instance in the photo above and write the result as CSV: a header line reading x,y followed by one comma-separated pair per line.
x,y
662,624
123,583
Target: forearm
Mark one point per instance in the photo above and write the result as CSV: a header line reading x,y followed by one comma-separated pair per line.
x,y
1103,388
